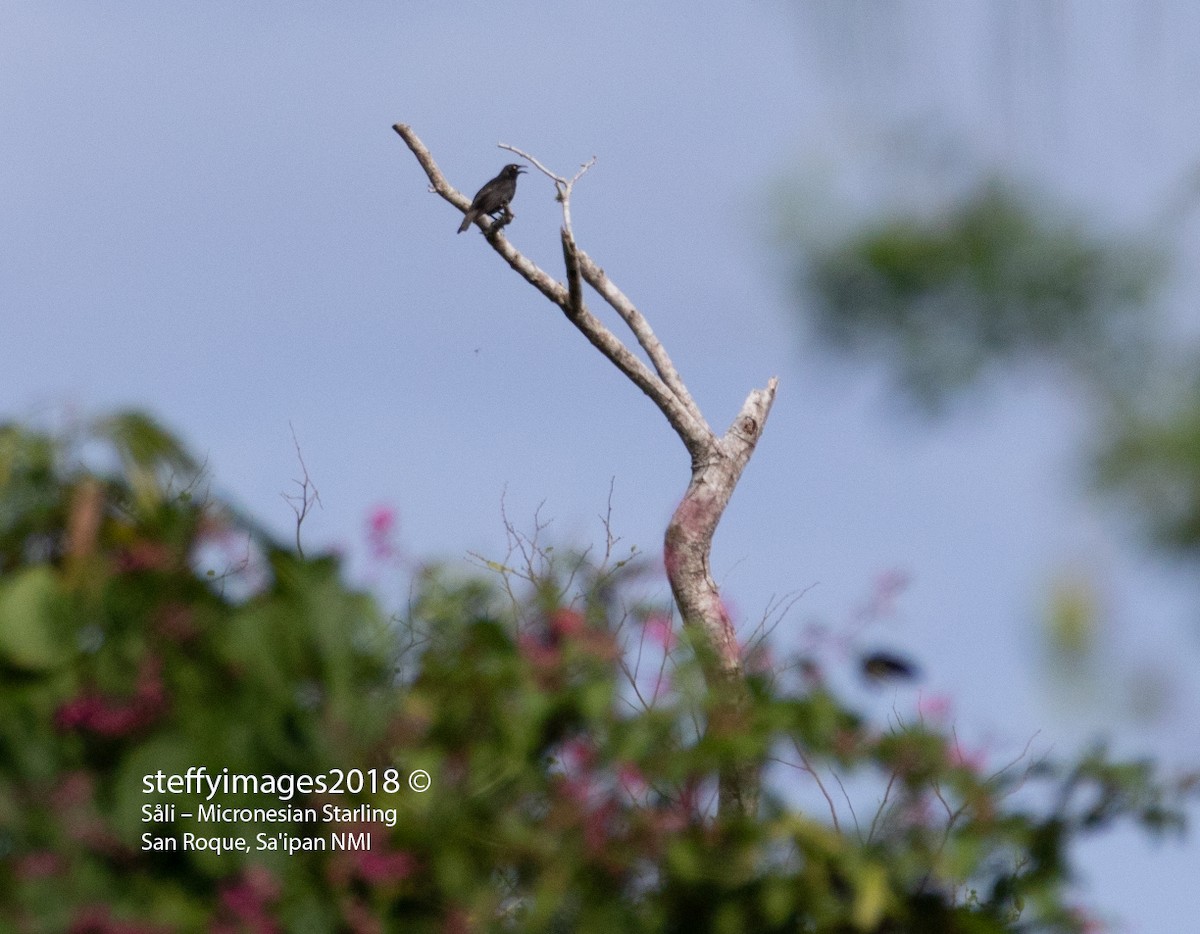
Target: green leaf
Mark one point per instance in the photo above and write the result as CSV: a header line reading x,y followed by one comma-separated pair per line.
x,y
871,897
30,605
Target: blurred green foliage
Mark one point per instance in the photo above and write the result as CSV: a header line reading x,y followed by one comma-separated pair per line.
x,y
1149,454
999,278
144,627
944,297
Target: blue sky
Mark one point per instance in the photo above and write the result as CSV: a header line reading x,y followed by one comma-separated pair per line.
x,y
211,217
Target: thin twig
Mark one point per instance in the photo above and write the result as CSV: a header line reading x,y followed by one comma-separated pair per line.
x,y
820,784
850,804
610,540
887,793
303,501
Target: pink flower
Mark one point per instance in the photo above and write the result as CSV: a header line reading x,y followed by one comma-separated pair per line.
x,y
658,629
578,790
113,717
151,692
376,868
934,706
544,658
974,760
565,624
248,900
77,712
632,780
597,827
40,864
94,713
381,529
175,622
578,755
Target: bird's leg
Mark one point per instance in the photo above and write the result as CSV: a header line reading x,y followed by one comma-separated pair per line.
x,y
506,217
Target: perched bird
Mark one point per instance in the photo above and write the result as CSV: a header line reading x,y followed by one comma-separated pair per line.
x,y
494,196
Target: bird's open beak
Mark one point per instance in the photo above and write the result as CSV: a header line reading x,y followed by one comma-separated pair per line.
x,y
520,169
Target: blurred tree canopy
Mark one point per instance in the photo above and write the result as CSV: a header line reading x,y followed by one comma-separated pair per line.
x,y
999,279
146,628
989,279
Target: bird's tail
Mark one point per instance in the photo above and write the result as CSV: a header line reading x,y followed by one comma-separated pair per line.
x,y
466,222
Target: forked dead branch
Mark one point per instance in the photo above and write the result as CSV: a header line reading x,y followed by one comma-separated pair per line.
x,y
717,461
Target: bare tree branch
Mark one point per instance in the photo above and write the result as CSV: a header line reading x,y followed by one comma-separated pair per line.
x,y
691,430
641,329
574,281
717,463
607,289
611,294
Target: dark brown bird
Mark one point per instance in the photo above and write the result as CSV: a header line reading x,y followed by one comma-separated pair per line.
x,y
494,196
878,667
